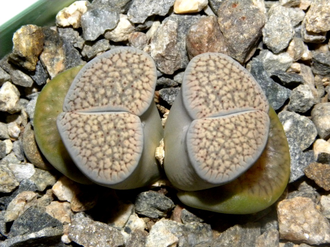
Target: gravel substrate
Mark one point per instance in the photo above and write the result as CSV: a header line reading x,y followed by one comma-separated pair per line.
x,y
285,46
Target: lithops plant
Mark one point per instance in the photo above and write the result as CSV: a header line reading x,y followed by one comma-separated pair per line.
x,y
216,131
49,106
110,125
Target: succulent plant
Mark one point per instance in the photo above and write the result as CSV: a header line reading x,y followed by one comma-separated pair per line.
x,y
49,105
215,138
110,124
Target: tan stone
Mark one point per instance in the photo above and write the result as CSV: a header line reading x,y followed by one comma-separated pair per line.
x,y
189,6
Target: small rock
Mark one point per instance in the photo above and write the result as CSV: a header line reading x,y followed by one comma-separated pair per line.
x,y
321,119
275,62
153,204
70,16
290,3
60,211
4,76
8,181
138,40
97,20
299,220
290,80
317,17
31,149
310,37
9,145
321,150
301,99
40,75
3,130
14,130
53,54
295,15
33,220
298,50
215,4
22,171
189,6
122,31
299,128
205,36
30,108
18,150
235,18
9,96
320,173
170,233
42,179
188,217
238,235
305,190
135,223
268,238
169,94
325,206
2,149
276,94
71,36
19,205
167,82
137,239
140,10
65,189
91,50
27,46
321,63
89,233
277,32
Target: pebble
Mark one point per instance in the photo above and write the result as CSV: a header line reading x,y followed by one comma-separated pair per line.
x,y
278,32
90,51
321,150
14,130
19,205
300,220
53,54
153,204
69,35
22,171
27,46
235,18
71,15
275,62
276,94
309,37
268,238
88,233
205,36
321,63
122,31
9,145
298,128
3,131
2,149
42,179
65,189
140,10
170,233
4,76
189,6
8,182
290,3
298,50
295,15
325,205
18,150
320,173
40,75
9,97
301,99
137,239
138,40
169,94
305,190
289,80
60,211
321,118
135,223
317,17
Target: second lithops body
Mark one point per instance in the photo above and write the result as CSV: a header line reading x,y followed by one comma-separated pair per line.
x,y
110,125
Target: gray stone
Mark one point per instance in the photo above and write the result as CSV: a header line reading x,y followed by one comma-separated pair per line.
x,y
301,99
305,190
276,94
169,94
72,36
140,10
30,108
321,119
310,37
153,204
277,32
167,82
321,150
122,31
123,5
215,5
91,50
18,150
321,63
8,181
317,17
138,40
4,76
268,238
3,131
88,233
137,239
235,18
40,75
238,236
2,149
99,19
33,220
289,80
290,3
9,96
187,217
22,171
14,130
296,15
168,44
300,220
72,55
325,205
299,128
298,50
42,179
274,63
170,233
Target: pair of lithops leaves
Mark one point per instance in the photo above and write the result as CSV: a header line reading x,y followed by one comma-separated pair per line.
x,y
225,149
